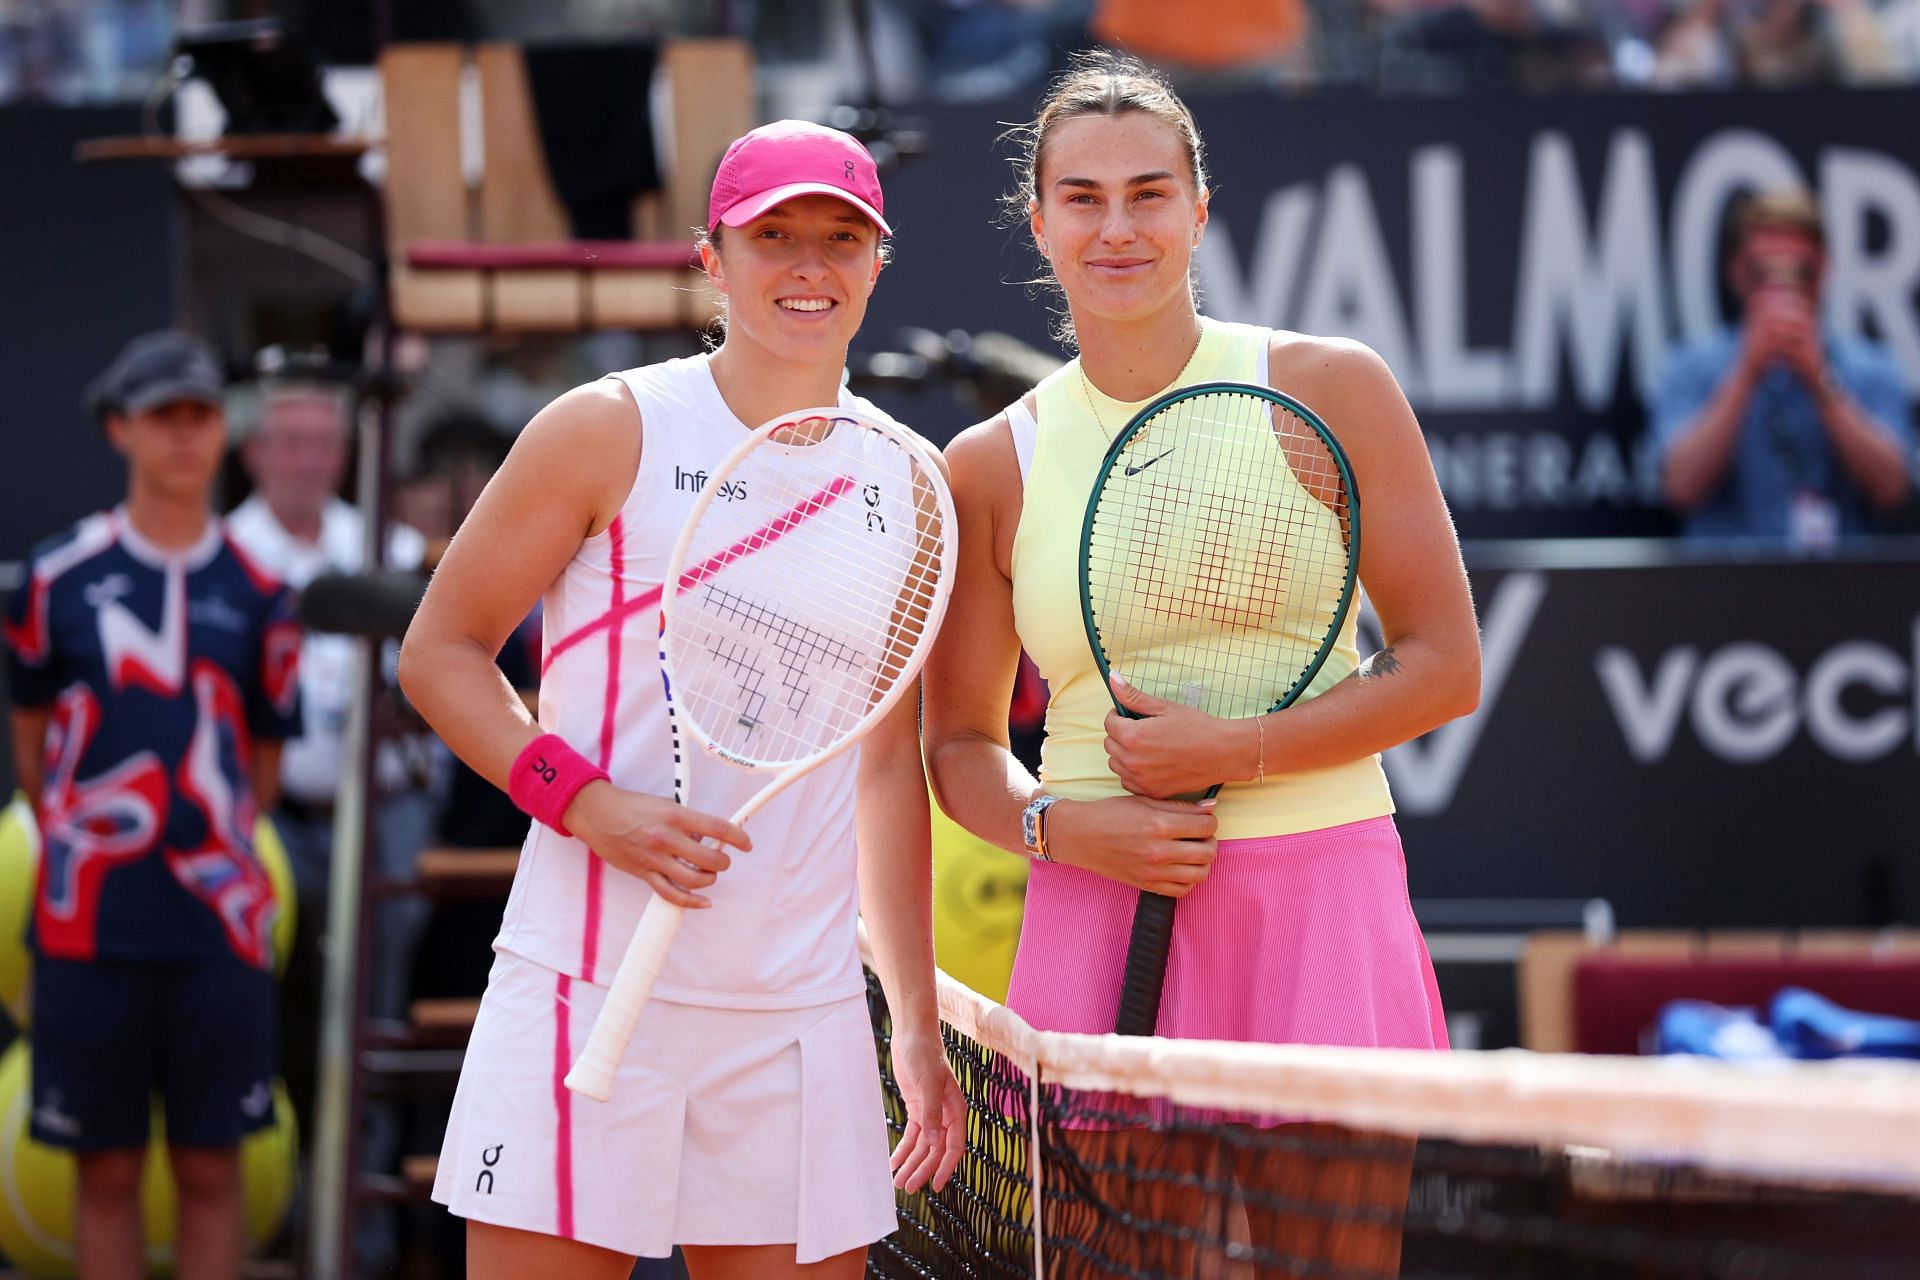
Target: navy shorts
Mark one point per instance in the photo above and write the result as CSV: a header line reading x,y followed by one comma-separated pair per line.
x,y
110,1036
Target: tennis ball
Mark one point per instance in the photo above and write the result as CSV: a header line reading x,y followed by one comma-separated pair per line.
x,y
273,857
37,1182
19,873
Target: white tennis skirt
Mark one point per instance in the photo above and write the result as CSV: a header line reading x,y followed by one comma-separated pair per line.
x,y
726,1126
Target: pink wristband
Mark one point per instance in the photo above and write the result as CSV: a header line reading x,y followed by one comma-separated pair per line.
x,y
546,777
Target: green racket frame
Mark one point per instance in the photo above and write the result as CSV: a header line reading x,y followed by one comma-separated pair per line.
x,y
1152,932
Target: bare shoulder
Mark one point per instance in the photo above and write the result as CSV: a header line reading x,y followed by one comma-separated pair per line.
x,y
584,445
982,457
1334,376
987,487
1351,388
598,415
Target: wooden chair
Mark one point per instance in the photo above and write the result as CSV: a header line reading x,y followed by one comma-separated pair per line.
x,y
495,254
1579,997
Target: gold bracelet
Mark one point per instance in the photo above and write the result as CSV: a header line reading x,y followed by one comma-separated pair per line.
x,y
1260,730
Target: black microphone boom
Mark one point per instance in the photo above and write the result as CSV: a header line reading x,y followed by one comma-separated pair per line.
x,y
375,605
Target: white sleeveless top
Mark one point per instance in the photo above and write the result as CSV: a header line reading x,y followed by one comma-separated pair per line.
x,y
781,931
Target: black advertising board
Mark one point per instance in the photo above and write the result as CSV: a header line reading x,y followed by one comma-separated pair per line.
x,y
1701,743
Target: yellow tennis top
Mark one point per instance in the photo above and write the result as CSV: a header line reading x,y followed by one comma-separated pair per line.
x,y
1076,423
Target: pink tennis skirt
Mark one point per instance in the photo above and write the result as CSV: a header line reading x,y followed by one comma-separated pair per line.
x,y
1297,939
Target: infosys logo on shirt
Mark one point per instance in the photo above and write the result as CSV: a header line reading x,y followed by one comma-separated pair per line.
x,y
695,481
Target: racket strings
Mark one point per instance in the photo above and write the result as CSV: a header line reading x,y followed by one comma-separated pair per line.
x,y
801,650
1218,553
811,590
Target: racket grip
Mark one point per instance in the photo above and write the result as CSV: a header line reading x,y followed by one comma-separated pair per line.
x,y
1146,971
593,1071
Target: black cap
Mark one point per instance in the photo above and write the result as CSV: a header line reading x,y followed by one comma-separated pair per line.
x,y
156,369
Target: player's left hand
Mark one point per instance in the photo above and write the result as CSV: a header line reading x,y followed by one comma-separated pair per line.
x,y
1172,750
936,1134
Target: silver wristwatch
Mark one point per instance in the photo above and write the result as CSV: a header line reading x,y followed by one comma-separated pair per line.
x,y
1033,826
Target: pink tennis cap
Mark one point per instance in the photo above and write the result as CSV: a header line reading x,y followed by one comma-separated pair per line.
x,y
791,158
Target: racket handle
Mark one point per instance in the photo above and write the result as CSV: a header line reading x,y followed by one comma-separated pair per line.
x,y
593,1071
1146,971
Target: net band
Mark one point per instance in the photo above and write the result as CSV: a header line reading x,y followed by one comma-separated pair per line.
x,y
1145,1158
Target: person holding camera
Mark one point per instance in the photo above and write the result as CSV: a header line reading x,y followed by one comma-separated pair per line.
x,y
1782,430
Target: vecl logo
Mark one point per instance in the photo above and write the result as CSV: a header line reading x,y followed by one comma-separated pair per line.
x,y
695,481
1858,701
1746,701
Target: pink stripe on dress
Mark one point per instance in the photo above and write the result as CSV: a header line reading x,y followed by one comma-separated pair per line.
x,y
765,536
563,1106
610,706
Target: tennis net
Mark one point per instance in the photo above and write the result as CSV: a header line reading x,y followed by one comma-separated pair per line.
x,y
1152,1159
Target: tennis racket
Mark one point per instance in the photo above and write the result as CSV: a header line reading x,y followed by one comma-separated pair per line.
x,y
800,601
1217,568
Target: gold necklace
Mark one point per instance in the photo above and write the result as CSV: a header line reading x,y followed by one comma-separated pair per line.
x,y
1086,387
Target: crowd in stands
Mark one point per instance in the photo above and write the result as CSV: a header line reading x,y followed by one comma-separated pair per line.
x,y
76,51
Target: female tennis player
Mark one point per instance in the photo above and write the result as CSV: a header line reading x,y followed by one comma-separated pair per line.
x,y
1293,923
746,1122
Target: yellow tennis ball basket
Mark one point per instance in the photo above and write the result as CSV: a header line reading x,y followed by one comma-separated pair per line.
x,y
37,1182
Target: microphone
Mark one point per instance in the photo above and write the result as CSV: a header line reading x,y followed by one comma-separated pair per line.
x,y
377,606
1008,366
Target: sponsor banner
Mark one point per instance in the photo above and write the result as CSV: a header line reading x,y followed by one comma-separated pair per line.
x,y
1700,743
1524,269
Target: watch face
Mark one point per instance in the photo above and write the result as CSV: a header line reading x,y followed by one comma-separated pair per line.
x,y
1030,822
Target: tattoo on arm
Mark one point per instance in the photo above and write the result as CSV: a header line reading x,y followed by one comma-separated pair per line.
x,y
1383,663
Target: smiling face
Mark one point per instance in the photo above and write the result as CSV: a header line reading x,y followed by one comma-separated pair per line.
x,y
797,278
1117,214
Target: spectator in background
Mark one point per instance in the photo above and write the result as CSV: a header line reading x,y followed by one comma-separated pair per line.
x,y
296,525
1857,31
153,679
1501,45
1780,429
1695,49
977,50
457,454
1780,44
1789,43
1210,35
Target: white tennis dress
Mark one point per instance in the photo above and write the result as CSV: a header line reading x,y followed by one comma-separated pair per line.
x,y
748,1109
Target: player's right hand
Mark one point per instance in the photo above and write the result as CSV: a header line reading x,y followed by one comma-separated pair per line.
x,y
1161,846
652,837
